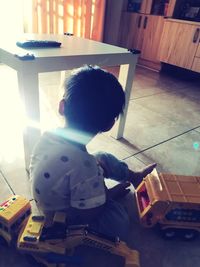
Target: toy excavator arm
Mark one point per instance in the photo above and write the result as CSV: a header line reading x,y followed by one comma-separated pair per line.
x,y
91,238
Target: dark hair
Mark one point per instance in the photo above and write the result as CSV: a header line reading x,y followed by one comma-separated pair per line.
x,y
93,99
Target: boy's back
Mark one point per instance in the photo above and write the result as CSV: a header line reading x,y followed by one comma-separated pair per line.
x,y
64,175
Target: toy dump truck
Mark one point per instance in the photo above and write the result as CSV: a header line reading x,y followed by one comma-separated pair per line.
x,y
171,202
53,245
14,212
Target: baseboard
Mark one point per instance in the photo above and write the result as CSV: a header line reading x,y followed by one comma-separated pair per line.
x,y
156,66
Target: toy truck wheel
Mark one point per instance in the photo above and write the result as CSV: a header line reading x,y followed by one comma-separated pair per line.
x,y
189,234
169,233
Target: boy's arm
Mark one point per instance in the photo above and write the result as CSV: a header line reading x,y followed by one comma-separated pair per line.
x,y
119,171
135,178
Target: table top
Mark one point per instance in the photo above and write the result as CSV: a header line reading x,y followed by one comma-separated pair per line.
x,y
70,46
74,52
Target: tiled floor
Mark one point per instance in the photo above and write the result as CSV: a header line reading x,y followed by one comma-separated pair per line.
x,y
163,126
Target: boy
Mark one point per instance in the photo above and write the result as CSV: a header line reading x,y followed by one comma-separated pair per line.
x,y
65,177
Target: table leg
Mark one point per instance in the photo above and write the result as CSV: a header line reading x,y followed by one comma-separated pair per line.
x,y
126,76
29,91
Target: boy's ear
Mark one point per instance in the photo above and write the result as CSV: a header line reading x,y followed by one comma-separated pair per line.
x,y
61,108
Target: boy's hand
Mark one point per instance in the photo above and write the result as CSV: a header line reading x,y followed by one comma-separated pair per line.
x,y
119,191
136,177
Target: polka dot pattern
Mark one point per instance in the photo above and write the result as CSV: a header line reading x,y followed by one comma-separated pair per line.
x,y
79,189
37,191
64,159
46,175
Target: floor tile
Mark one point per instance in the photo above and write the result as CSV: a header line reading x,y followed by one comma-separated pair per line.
x,y
143,89
5,190
16,176
175,106
135,164
12,258
192,93
148,82
145,128
177,156
105,142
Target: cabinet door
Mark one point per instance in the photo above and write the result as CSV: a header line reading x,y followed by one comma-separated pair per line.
x,y
152,26
112,21
198,50
178,44
171,6
138,37
128,29
146,6
196,62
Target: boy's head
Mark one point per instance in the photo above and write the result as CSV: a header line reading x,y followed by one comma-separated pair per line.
x,y
93,99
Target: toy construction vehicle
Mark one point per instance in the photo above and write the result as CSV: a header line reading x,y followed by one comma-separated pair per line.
x,y
58,241
14,212
172,202
53,246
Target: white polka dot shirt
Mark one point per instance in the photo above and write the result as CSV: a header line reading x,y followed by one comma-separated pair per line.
x,y
63,175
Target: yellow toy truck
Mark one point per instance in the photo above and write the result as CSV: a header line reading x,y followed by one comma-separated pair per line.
x,y
13,214
171,202
53,246
50,245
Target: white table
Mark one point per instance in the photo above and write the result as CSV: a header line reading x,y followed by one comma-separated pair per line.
x,y
74,52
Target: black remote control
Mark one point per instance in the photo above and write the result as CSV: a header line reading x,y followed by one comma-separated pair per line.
x,y
38,43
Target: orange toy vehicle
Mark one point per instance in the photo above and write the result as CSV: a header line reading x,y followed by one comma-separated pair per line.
x,y
59,240
53,246
14,212
172,202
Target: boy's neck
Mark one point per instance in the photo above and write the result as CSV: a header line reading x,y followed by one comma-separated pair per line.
x,y
76,135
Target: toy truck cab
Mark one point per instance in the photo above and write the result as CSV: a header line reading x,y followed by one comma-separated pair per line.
x,y
36,237
13,214
172,202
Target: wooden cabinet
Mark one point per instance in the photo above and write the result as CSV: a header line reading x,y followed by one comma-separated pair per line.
x,y
138,38
146,6
112,21
198,50
196,62
153,26
196,65
142,32
179,43
128,30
